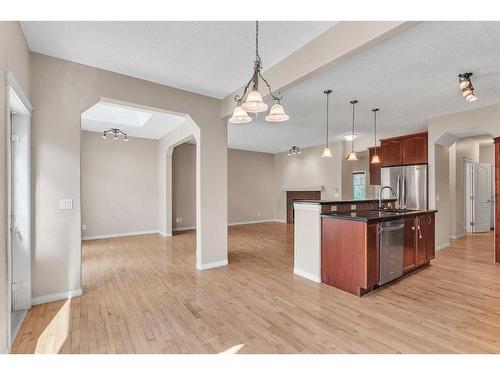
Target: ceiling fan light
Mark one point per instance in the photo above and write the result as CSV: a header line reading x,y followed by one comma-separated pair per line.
x,y
277,114
254,103
375,159
240,116
352,156
327,153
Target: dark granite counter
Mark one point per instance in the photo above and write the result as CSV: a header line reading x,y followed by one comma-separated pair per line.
x,y
375,215
325,202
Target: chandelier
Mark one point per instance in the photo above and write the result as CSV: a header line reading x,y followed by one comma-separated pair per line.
x,y
253,103
465,84
115,133
294,150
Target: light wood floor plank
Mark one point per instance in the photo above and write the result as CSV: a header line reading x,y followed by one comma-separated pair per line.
x,y
144,295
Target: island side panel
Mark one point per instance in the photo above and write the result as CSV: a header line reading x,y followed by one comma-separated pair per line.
x,y
343,254
307,241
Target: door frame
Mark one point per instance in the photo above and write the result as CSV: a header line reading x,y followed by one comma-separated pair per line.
x,y
12,86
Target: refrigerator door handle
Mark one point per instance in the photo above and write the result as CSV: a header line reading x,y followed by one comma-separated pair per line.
x,y
398,189
404,192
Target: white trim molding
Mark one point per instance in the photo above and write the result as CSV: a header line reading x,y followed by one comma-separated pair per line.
x,y
165,234
56,296
442,246
206,266
455,236
307,275
253,222
127,234
182,229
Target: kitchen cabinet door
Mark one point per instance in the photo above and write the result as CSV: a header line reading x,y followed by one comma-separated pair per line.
x,y
423,232
415,149
409,261
430,229
374,168
392,152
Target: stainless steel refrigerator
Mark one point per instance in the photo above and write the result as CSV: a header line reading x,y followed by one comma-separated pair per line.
x,y
409,183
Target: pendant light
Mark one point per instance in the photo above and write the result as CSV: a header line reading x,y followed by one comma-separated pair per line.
x,y
375,158
253,102
465,84
352,155
327,153
116,132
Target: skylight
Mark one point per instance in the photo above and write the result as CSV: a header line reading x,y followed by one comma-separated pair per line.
x,y
117,114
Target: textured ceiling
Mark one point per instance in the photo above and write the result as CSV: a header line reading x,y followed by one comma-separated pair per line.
x,y
210,58
411,77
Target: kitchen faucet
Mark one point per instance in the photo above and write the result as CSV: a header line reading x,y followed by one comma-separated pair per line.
x,y
380,206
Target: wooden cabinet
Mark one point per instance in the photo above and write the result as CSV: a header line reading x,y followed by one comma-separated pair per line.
x,y
419,238
374,168
415,149
392,152
405,150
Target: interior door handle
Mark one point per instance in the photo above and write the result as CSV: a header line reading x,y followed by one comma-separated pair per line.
x,y
13,229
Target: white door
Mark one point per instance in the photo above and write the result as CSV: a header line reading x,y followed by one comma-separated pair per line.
x,y
20,211
482,197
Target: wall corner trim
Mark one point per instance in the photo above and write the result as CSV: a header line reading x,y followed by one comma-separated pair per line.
x,y
206,266
56,296
307,275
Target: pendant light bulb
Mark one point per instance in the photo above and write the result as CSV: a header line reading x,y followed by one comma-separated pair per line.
x,y
375,158
352,155
327,152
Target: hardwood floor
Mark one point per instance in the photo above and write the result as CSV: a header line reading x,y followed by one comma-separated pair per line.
x,y
144,295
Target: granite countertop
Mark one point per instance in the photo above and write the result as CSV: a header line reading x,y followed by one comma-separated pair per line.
x,y
375,215
353,201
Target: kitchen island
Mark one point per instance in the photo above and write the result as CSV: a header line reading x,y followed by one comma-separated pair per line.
x,y
362,250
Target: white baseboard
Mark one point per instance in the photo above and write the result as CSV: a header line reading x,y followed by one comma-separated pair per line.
x,y
307,275
206,266
442,246
56,296
114,235
165,234
253,222
182,229
455,236
16,329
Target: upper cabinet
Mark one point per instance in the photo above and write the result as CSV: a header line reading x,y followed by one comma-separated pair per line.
x,y
405,150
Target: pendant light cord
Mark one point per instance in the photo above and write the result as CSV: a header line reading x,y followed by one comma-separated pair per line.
x,y
375,140
353,104
327,116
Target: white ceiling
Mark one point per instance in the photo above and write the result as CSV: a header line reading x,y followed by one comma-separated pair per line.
x,y
135,122
411,77
210,58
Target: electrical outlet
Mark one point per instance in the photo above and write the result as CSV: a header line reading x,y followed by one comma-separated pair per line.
x,y
353,207
66,204
258,214
84,227
333,208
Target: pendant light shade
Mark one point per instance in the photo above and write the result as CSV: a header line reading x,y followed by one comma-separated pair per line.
x,y
254,103
375,158
327,152
240,116
277,114
352,155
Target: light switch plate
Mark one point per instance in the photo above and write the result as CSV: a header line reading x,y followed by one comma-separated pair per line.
x,y
66,204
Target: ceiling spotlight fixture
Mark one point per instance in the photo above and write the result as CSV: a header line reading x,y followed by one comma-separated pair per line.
x,y
465,84
352,155
115,133
253,102
293,151
327,153
375,158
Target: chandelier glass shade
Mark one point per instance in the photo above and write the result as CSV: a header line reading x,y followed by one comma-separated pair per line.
x,y
253,102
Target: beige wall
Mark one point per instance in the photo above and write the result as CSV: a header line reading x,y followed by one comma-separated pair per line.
x,y
443,204
252,189
487,153
61,90
119,185
305,170
251,186
14,57
184,186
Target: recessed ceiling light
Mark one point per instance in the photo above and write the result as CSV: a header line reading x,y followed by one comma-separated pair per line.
x,y
350,137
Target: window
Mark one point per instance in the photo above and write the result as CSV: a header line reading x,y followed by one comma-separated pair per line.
x,y
358,185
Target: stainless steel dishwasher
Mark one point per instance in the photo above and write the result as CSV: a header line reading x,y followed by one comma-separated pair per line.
x,y
391,247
